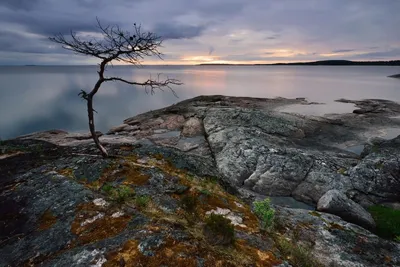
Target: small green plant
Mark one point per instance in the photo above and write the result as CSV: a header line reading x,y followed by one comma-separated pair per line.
x,y
379,165
142,201
213,180
205,192
296,254
342,171
218,230
387,221
107,188
265,212
190,177
122,193
397,238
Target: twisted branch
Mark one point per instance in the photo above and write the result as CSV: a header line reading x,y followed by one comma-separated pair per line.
x,y
121,46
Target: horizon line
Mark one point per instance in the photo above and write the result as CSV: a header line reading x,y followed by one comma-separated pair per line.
x,y
209,63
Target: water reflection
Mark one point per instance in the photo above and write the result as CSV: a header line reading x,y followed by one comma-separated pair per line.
x,y
40,98
211,81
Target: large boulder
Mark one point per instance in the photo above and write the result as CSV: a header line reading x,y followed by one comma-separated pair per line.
x,y
336,202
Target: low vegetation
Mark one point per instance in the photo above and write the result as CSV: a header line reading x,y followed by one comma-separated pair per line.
x,y
265,213
142,201
296,254
387,221
119,194
189,204
218,230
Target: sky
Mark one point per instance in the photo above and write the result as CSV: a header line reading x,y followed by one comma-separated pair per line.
x,y
208,31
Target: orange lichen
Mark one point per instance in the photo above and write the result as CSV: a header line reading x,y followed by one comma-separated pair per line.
x,y
93,223
260,258
126,148
133,173
47,220
67,172
158,156
176,253
336,226
315,213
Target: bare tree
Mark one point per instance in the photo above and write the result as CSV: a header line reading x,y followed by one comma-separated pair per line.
x,y
120,46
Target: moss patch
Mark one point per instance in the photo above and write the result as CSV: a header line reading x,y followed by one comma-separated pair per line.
x,y
67,172
387,221
190,253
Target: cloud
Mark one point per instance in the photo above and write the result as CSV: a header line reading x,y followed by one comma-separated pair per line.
x,y
211,50
342,50
19,4
176,31
388,54
230,27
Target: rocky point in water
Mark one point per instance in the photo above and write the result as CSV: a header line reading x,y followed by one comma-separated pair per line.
x,y
148,204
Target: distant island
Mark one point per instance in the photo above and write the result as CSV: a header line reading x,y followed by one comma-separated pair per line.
x,y
318,63
395,76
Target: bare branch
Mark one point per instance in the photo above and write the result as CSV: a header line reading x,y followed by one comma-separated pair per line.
x,y
115,45
150,85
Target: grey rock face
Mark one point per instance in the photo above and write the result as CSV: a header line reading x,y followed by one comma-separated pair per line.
x,y
335,242
337,203
192,127
254,150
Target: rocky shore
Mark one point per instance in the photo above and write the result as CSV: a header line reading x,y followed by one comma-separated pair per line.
x,y
63,205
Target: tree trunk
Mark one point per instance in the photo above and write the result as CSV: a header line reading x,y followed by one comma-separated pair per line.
x,y
92,128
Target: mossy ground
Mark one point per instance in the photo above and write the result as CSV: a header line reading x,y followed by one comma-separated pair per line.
x,y
204,191
387,221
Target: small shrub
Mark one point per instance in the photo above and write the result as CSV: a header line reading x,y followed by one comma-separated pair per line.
x,y
122,193
342,171
265,212
213,180
296,254
205,192
142,201
387,221
219,230
189,203
397,238
107,188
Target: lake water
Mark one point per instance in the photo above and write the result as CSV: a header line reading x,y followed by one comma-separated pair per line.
x,y
36,98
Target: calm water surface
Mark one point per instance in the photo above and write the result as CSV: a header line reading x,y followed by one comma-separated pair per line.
x,y
39,98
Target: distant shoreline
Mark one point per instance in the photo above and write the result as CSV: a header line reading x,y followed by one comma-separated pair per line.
x,y
317,63
311,63
395,76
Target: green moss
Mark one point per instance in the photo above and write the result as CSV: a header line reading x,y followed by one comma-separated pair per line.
x,y
315,213
142,201
387,221
342,171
